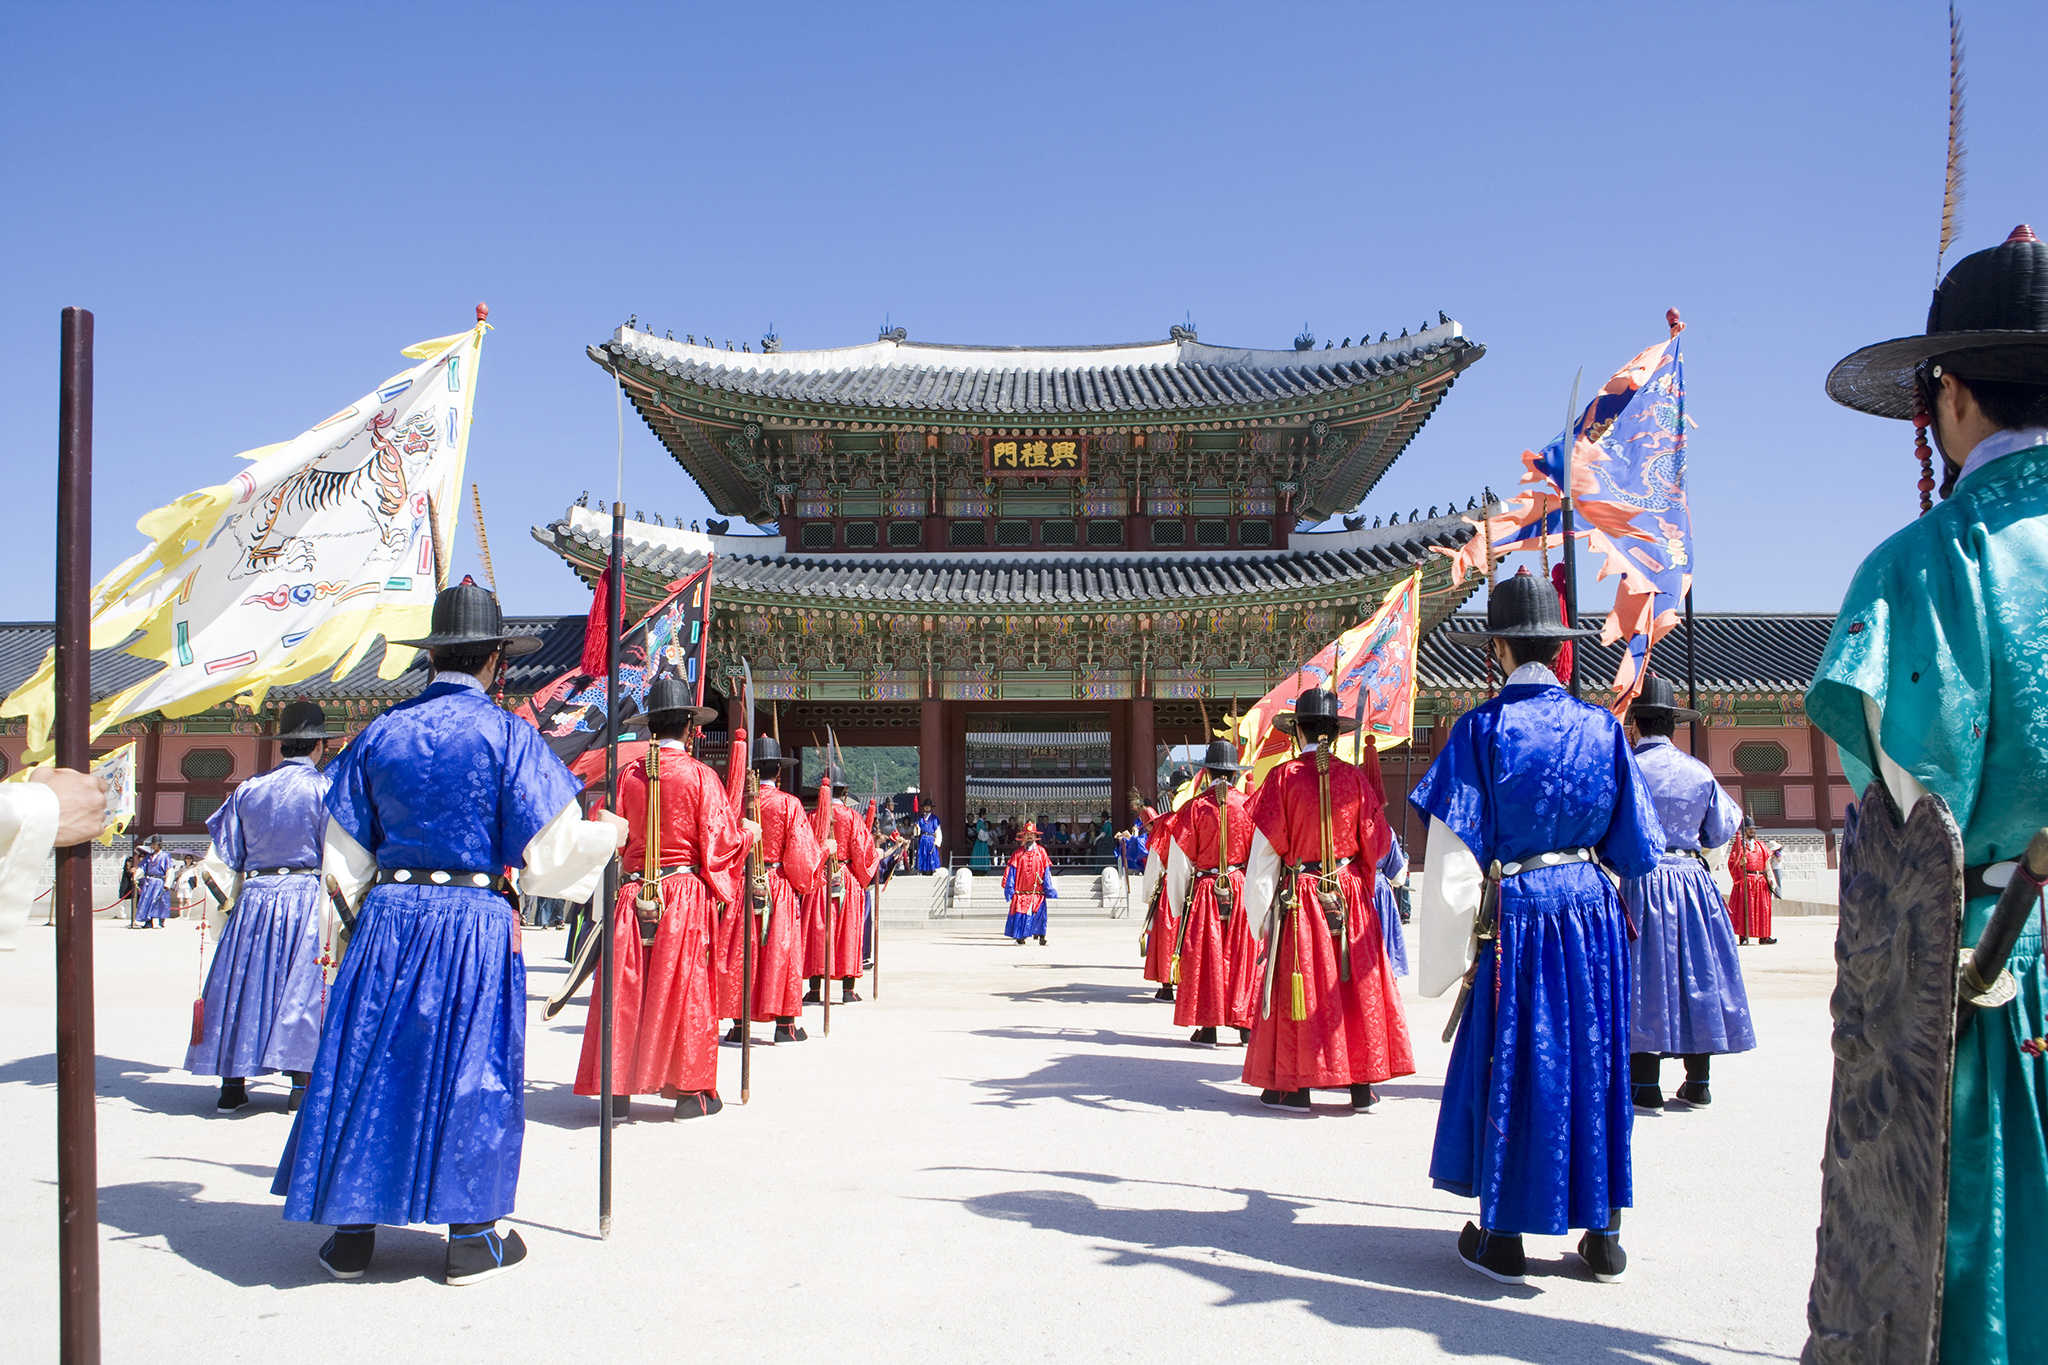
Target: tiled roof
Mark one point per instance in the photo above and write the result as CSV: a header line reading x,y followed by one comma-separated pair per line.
x,y
1002,383
22,644
937,582
1734,652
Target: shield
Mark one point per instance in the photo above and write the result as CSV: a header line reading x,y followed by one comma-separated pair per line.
x,y
1877,1274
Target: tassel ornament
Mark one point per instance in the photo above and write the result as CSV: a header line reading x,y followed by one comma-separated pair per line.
x,y
1298,1006
1925,454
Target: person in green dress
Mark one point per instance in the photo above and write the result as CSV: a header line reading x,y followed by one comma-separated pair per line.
x,y
1936,680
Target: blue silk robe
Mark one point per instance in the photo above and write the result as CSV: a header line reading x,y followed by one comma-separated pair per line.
x,y
1536,1116
416,1112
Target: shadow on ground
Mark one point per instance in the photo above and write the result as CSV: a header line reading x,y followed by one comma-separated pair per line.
x,y
146,1085
250,1245
1102,1081
1346,1274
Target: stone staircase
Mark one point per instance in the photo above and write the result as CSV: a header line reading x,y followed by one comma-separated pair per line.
x,y
979,895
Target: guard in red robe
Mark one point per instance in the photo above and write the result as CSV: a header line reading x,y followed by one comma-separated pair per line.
x,y
1217,984
1027,882
794,863
1749,899
665,1022
835,917
1323,1022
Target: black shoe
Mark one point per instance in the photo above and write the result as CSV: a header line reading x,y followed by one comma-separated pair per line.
x,y
293,1100
1295,1102
1494,1255
1203,1037
477,1256
697,1106
346,1255
1363,1098
1694,1093
811,997
1041,940
1761,940
1018,941
1244,1037
1270,1098
849,997
736,1034
1648,1099
1744,940
1164,993
234,1094
622,1106
1602,1253
790,1033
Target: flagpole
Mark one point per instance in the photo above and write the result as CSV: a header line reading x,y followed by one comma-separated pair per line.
x,y
616,585
1692,680
78,1224
1571,558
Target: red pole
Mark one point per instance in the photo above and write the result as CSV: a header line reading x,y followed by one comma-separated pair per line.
x,y
78,1219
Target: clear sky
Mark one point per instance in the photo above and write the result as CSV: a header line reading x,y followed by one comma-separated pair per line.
x,y
263,203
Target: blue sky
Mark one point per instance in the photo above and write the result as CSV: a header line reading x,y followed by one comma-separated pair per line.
x,y
263,204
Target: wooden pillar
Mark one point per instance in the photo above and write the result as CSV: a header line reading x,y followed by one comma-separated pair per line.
x,y
1143,760
1823,788
151,754
931,757
1119,765
954,811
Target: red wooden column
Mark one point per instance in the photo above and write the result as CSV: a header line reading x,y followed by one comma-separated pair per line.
x,y
1823,788
1144,759
953,810
931,754
1119,766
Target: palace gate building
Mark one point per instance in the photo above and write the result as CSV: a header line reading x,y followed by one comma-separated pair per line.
x,y
1038,565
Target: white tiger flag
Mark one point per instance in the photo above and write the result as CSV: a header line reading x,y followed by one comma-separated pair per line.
x,y
298,562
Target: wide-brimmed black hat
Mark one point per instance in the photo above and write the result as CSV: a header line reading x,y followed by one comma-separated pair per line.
x,y
1222,758
767,755
1523,607
303,720
468,614
1660,698
1320,705
1989,320
670,699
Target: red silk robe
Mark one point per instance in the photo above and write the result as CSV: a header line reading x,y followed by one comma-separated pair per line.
x,y
1354,1032
665,1024
1219,980
1749,899
795,861
832,941
1165,930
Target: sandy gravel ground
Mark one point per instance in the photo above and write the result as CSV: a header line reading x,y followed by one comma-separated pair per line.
x,y
1011,1155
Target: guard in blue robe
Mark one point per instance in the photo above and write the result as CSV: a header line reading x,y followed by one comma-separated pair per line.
x,y
416,1109
264,992
1689,998
1532,788
929,837
152,885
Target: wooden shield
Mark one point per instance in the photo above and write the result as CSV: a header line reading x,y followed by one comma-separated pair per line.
x,y
1876,1293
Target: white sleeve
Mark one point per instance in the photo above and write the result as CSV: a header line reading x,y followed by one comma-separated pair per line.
x,y
1904,787
345,862
1262,872
568,856
28,830
939,837
1180,870
1445,911
1155,868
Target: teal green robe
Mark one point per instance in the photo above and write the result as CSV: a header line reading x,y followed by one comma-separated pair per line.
x,y
1946,628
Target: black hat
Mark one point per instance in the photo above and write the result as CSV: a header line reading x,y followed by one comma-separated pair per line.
x,y
1660,698
670,699
303,720
1320,707
768,755
1524,607
468,615
1222,758
1989,320
838,776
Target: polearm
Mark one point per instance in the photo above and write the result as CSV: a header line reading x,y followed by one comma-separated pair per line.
x,y
823,822
874,833
740,775
1571,558
78,1219
602,921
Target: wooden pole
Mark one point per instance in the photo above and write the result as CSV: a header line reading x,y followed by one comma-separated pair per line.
x,y
78,1223
1692,686
1571,556
616,589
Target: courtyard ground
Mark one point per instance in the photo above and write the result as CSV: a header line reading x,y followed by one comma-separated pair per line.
x,y
1010,1155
